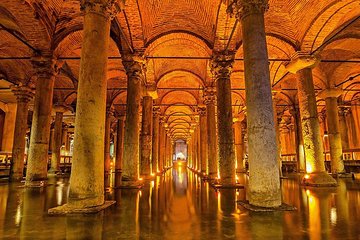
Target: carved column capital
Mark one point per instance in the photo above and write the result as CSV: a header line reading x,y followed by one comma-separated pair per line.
x,y
222,64
330,93
301,60
46,66
106,8
156,111
243,8
22,93
134,64
209,95
202,110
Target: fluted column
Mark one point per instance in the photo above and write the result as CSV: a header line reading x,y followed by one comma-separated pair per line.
x,y
210,98
343,127
57,140
315,166
36,170
87,171
264,180
23,96
119,149
221,67
155,140
330,96
134,66
239,145
146,136
203,141
107,159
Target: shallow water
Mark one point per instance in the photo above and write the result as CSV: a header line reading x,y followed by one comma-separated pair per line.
x,y
180,206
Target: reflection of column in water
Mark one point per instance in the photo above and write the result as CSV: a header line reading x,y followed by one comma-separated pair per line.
x,y
50,193
8,201
227,208
340,217
319,215
88,226
266,225
145,211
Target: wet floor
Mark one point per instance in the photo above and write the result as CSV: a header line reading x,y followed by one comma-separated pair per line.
x,y
180,206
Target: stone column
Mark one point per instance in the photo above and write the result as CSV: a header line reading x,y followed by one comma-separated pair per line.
x,y
210,97
203,141
146,136
315,166
57,141
221,68
23,95
87,171
107,159
332,117
343,127
299,143
162,144
134,66
37,163
264,181
64,136
155,140
194,147
239,145
119,150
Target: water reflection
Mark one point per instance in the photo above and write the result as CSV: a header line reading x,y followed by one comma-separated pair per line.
x,y
179,205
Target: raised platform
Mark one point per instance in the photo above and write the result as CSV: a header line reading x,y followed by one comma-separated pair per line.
x,y
65,209
282,207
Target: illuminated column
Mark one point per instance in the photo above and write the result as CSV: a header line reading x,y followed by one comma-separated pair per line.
x,y
37,163
107,159
198,143
57,141
203,140
155,139
23,96
343,127
210,97
332,117
239,145
264,181
64,137
119,150
277,134
134,69
299,143
87,170
146,136
162,143
221,67
315,166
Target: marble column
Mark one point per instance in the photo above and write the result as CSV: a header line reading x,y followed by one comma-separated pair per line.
x,y
107,158
57,140
264,181
162,144
330,96
119,150
146,137
210,98
87,171
134,66
221,68
239,145
155,140
315,166
37,164
299,143
343,128
203,141
23,96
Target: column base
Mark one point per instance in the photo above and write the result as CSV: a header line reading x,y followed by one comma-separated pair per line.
x,y
321,179
282,207
126,184
66,209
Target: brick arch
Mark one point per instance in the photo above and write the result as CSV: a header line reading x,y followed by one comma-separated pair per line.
x,y
329,19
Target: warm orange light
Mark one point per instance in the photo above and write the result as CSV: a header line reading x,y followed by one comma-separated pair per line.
x,y
140,179
152,174
306,176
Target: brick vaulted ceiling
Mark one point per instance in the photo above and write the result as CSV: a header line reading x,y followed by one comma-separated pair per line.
x,y
189,29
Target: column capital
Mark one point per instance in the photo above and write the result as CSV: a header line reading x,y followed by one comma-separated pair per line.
x,y
222,64
209,95
243,8
22,93
344,110
301,60
330,93
106,8
202,110
135,64
46,65
156,110
151,91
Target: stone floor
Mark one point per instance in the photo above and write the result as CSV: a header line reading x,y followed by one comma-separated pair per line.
x,y
181,206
